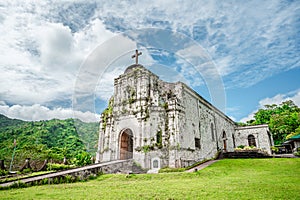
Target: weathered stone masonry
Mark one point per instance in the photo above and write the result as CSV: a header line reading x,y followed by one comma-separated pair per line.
x,y
162,124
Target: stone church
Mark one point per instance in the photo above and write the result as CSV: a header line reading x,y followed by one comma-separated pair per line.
x,y
160,124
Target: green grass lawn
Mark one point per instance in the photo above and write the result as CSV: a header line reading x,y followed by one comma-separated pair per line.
x,y
226,179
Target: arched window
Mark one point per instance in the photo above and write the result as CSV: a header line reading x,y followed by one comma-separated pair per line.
x,y
251,140
233,140
212,132
198,138
224,141
155,163
224,135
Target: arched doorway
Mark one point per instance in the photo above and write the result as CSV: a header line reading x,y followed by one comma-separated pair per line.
x,y
126,144
251,140
224,141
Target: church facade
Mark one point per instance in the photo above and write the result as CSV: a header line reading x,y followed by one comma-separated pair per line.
x,y
161,124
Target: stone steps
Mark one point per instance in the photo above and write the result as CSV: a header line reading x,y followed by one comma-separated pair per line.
x,y
246,154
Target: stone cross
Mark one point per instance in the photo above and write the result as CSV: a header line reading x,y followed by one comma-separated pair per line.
x,y
136,56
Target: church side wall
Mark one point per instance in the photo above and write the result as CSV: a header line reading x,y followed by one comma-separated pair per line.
x,y
201,121
224,133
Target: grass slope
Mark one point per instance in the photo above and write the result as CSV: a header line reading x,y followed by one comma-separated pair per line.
x,y
226,179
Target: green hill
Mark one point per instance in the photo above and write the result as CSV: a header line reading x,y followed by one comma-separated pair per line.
x,y
51,139
88,133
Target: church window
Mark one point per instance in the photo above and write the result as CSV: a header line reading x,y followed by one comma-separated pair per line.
x,y
233,140
251,140
159,138
212,132
155,164
224,141
197,143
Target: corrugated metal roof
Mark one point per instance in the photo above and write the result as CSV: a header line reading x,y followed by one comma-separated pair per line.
x,y
296,137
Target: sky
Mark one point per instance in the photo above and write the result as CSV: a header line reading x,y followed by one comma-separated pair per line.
x,y
58,59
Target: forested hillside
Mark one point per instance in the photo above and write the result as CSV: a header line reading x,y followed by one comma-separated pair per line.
x,y
88,133
51,139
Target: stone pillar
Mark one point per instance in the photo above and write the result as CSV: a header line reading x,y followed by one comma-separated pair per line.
x,y
26,165
100,141
65,161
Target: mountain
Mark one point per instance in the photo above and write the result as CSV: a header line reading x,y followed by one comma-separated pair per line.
x,y
50,139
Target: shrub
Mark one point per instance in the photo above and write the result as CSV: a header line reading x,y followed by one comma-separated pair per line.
x,y
168,170
62,180
56,180
68,179
274,149
18,184
297,152
247,148
57,167
130,176
26,171
82,159
3,172
45,181
92,177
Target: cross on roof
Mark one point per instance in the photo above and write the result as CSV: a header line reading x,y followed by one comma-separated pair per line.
x,y
136,56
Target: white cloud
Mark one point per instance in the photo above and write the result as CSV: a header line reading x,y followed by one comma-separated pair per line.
x,y
94,34
42,44
104,89
249,117
39,57
56,46
244,38
37,112
277,99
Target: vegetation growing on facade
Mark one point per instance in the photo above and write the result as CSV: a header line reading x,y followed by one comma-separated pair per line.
x,y
107,112
132,95
159,139
165,105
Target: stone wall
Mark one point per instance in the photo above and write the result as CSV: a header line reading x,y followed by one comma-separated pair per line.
x,y
82,173
261,133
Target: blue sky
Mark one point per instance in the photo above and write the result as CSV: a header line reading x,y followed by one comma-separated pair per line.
x,y
58,59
